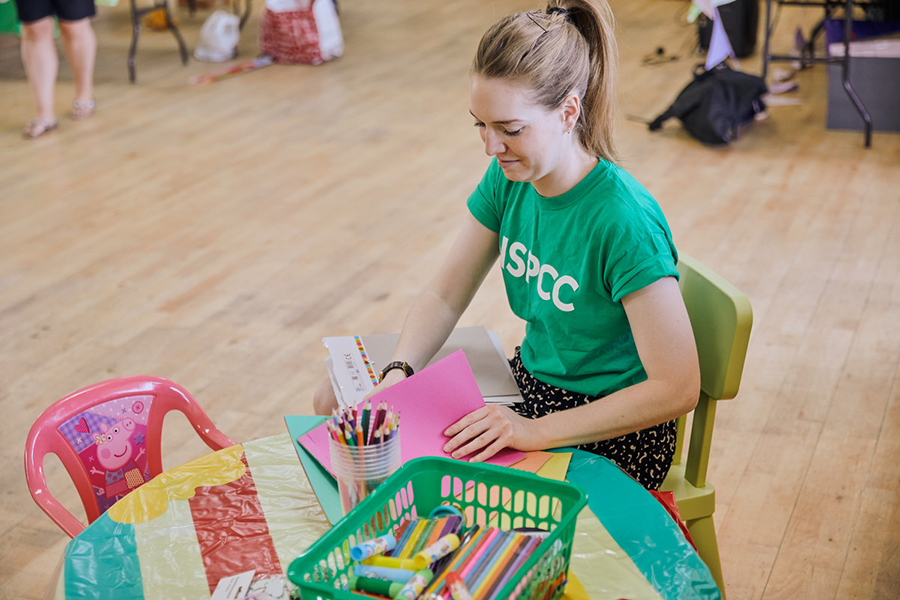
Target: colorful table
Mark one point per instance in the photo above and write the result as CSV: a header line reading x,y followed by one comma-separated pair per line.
x,y
253,507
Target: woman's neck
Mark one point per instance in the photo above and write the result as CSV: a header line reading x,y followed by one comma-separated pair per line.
x,y
569,172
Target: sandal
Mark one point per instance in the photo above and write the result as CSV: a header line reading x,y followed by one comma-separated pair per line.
x,y
82,110
39,127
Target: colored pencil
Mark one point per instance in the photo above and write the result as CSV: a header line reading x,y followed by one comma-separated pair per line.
x,y
415,548
465,551
413,539
404,538
476,565
386,422
520,559
367,410
495,566
436,531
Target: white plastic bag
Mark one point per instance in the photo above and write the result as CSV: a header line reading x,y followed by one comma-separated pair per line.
x,y
218,37
331,40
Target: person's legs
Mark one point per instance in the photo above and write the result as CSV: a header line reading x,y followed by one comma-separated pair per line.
x,y
41,66
81,49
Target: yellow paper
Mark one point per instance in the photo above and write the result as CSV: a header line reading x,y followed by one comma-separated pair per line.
x,y
556,467
604,570
574,589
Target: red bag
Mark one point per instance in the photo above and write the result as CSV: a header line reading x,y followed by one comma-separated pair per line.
x,y
667,499
310,35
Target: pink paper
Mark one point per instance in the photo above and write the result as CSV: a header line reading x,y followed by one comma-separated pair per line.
x,y
428,402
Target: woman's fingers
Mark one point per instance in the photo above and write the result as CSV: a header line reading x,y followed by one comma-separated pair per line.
x,y
469,419
464,431
489,426
488,452
476,443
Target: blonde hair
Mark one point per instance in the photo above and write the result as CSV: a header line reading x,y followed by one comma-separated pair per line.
x,y
570,47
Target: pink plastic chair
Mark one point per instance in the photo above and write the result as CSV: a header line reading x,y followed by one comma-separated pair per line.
x,y
108,438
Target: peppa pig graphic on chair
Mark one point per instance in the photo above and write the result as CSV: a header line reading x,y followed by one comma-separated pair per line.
x,y
110,440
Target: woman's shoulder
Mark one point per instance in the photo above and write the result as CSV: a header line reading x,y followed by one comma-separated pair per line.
x,y
616,178
618,192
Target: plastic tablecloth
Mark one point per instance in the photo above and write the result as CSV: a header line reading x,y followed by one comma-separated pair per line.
x,y
253,507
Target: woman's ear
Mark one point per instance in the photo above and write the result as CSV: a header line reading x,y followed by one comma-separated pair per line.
x,y
571,108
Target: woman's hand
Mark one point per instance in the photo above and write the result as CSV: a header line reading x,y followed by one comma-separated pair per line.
x,y
490,429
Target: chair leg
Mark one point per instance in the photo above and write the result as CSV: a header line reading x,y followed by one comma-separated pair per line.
x,y
182,49
246,15
136,32
703,532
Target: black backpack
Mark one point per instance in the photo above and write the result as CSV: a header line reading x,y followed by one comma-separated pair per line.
x,y
716,103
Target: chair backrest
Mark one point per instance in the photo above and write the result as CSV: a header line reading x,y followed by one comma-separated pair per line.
x,y
721,318
108,438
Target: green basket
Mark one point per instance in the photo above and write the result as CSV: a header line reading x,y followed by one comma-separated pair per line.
x,y
487,494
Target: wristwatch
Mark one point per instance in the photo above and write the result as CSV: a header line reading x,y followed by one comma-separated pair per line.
x,y
397,364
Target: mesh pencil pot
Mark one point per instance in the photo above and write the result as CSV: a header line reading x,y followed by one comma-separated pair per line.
x,y
488,495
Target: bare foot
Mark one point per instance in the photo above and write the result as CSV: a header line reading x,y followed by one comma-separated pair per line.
x,y
39,127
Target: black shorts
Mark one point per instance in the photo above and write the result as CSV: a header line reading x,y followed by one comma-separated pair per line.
x,y
646,455
66,10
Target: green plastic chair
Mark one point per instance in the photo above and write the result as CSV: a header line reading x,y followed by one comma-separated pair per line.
x,y
721,319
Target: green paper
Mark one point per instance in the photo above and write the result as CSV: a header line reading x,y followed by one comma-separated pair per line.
x,y
321,480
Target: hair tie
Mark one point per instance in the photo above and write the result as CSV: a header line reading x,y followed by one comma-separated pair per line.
x,y
557,9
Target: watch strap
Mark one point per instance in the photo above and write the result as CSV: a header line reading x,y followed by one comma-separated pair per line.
x,y
397,364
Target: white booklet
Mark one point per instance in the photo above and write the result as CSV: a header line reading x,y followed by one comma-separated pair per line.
x,y
354,363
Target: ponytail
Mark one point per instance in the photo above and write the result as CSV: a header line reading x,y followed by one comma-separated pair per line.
x,y
569,47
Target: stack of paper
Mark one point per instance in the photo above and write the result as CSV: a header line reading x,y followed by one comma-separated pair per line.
x,y
354,363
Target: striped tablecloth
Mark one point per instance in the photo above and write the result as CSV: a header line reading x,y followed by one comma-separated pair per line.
x,y
252,507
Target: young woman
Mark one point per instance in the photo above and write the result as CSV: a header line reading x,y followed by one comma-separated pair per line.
x,y
608,360
42,62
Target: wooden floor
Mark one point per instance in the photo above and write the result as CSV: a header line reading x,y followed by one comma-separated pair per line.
x,y
214,234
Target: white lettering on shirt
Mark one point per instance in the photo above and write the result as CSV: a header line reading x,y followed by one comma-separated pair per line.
x,y
515,256
534,266
564,280
530,266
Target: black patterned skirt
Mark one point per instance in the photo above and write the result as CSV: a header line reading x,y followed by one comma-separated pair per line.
x,y
646,455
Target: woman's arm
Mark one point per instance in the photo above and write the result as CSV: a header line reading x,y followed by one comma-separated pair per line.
x,y
434,314
665,342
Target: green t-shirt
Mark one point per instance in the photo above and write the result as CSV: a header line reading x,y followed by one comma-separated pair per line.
x,y
567,263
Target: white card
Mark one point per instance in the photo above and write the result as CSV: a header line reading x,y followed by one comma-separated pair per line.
x,y
234,587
